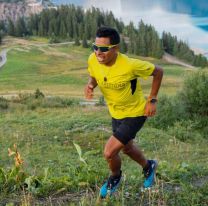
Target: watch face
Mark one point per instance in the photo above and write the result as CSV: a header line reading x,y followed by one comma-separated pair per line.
x,y
153,100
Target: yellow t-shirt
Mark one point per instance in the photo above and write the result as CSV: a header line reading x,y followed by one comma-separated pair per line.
x,y
115,84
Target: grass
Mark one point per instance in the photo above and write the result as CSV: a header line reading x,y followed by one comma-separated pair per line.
x,y
62,70
45,68
45,138
46,130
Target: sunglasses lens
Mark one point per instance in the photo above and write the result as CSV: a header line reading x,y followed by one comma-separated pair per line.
x,y
104,49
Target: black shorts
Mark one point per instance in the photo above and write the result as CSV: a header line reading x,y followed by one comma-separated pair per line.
x,y
125,129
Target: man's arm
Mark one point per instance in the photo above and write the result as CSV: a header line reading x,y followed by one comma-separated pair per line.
x,y
150,108
92,83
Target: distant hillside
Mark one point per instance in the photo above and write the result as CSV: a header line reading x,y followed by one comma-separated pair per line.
x,y
11,1
14,9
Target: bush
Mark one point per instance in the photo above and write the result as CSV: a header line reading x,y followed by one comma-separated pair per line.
x,y
194,95
58,102
169,110
54,39
185,130
101,101
201,124
38,99
4,104
39,94
189,105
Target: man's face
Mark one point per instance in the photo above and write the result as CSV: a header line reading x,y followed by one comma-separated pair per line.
x,y
108,57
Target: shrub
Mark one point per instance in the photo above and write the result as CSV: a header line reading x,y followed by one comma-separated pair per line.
x,y
194,95
169,110
58,102
101,101
38,94
54,39
3,103
38,99
185,130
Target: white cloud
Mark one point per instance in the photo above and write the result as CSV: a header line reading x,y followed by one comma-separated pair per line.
x,y
181,25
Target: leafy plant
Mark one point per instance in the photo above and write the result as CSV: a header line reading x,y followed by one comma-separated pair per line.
x,y
194,95
13,178
79,151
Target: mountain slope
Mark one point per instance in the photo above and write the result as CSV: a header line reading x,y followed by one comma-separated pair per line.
x,y
14,8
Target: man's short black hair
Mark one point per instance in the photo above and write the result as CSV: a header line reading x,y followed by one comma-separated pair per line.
x,y
109,32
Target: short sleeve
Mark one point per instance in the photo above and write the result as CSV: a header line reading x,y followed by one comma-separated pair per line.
x,y
90,68
142,68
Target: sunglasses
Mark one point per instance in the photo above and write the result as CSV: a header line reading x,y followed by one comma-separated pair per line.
x,y
102,48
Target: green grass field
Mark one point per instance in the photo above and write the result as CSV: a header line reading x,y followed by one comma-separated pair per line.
x,y
61,142
62,70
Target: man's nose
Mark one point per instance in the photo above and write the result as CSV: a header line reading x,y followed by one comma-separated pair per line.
x,y
98,51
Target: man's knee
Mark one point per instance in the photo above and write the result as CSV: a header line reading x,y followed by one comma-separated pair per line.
x,y
108,155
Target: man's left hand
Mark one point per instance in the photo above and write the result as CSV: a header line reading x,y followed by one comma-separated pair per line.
x,y
150,109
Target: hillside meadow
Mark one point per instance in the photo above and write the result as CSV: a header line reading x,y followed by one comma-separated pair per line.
x,y
56,144
62,69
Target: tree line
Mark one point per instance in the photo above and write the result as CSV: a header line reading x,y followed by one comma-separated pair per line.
x,y
75,24
181,50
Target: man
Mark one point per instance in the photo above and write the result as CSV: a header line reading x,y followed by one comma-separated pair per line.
x,y
116,75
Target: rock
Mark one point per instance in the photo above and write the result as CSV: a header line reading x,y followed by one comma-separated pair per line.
x,y
22,9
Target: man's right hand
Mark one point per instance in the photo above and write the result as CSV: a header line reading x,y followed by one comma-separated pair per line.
x,y
89,91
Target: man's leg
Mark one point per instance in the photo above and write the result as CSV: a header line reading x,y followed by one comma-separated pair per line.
x,y
111,154
135,153
149,166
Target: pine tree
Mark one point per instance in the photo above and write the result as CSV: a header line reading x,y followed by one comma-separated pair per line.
x,y
141,44
131,33
87,26
32,24
57,26
84,42
81,31
62,32
51,27
21,29
123,46
0,37
2,26
11,28
44,23
40,29
69,26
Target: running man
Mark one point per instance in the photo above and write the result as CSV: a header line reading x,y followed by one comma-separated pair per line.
x,y
116,75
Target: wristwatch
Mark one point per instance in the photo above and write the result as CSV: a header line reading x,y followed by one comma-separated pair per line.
x,y
152,100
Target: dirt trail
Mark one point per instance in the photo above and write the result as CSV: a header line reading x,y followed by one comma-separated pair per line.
x,y
171,59
12,43
3,57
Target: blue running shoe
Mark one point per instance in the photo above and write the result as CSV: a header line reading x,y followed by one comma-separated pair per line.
x,y
110,186
150,173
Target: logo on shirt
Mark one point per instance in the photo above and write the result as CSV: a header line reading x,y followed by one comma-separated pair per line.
x,y
119,85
